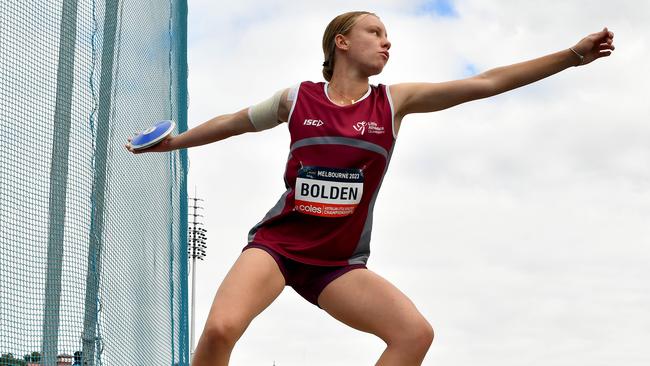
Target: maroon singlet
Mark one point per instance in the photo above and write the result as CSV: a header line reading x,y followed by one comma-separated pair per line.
x,y
338,158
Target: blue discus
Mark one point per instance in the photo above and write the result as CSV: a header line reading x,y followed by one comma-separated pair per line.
x,y
152,135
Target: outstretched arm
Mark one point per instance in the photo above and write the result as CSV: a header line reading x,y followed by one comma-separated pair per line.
x,y
429,97
216,129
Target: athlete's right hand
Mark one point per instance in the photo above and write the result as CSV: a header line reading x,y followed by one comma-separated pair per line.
x,y
162,146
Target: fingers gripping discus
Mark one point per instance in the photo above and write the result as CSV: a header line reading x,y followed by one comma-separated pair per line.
x,y
152,135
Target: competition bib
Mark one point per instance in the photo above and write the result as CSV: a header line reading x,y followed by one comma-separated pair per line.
x,y
328,192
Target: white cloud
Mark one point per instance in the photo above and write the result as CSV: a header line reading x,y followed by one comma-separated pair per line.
x,y
517,224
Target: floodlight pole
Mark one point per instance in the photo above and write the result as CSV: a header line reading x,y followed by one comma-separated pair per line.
x,y
196,249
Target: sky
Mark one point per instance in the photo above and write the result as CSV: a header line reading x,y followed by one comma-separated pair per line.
x,y
518,224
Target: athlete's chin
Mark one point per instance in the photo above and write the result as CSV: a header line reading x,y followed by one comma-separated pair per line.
x,y
376,69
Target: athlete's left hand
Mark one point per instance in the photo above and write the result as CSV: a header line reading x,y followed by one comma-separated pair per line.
x,y
595,45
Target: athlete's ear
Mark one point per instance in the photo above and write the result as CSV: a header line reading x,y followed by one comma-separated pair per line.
x,y
342,42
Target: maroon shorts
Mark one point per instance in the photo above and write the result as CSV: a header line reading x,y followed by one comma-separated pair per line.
x,y
306,279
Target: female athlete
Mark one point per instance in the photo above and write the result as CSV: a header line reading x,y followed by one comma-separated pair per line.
x,y
316,238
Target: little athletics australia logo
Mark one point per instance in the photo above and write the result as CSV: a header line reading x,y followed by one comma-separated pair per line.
x,y
370,127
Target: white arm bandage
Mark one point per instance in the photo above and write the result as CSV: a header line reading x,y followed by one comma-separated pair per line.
x,y
265,114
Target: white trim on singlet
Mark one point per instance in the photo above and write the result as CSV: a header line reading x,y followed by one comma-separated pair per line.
x,y
392,111
293,91
292,96
362,98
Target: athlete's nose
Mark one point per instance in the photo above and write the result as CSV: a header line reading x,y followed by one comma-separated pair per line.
x,y
386,44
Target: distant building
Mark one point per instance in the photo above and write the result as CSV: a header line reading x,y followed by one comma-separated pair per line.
x,y
64,360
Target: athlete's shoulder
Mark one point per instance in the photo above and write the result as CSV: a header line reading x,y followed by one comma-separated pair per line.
x,y
380,90
311,89
311,84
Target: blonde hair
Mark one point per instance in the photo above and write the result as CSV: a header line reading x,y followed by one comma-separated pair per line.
x,y
339,25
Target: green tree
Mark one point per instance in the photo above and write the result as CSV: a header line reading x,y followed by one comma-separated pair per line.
x,y
36,356
8,359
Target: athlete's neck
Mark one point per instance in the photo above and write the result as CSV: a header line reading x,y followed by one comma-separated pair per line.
x,y
349,88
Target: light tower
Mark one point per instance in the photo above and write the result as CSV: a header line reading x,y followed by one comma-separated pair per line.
x,y
197,237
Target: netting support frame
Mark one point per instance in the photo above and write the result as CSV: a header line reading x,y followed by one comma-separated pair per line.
x,y
90,332
59,180
185,355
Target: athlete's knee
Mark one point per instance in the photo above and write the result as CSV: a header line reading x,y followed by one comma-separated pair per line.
x,y
224,331
426,334
416,336
421,335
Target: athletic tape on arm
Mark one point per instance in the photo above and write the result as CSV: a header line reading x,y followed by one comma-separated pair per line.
x,y
264,115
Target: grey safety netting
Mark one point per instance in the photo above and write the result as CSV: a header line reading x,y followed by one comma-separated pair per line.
x,y
93,239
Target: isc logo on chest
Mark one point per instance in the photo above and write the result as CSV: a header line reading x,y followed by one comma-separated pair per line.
x,y
313,122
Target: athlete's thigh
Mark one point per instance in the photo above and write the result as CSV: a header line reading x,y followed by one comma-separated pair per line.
x,y
250,286
366,301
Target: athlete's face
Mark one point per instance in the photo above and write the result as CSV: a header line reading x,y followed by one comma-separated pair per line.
x,y
368,45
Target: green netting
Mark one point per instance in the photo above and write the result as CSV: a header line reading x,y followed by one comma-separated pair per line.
x,y
93,247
